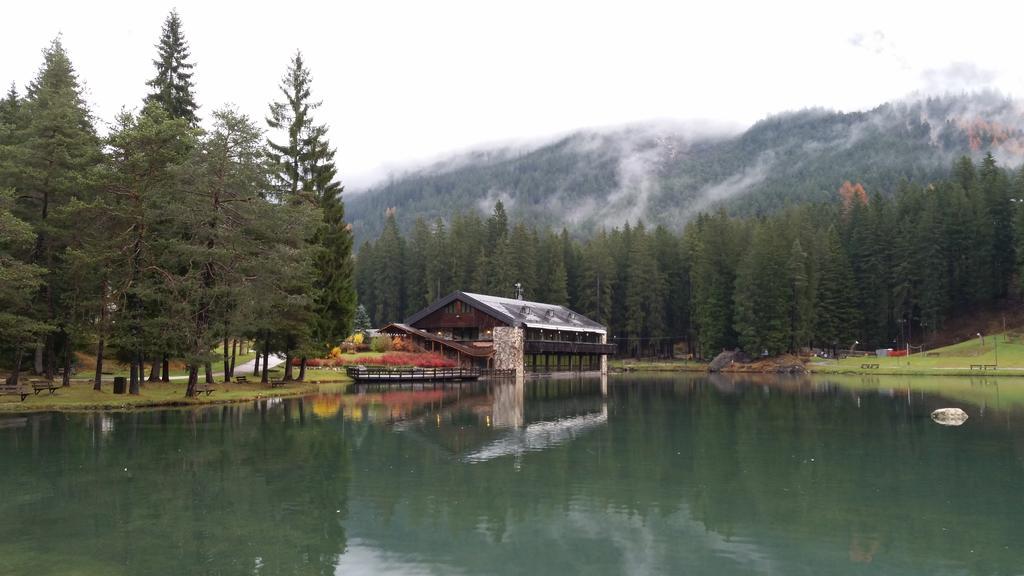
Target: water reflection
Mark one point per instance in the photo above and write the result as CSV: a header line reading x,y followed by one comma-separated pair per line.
x,y
668,474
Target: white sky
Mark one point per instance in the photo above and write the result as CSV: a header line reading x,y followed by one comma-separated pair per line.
x,y
404,82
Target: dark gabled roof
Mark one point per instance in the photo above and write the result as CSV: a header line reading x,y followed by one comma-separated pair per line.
x,y
517,313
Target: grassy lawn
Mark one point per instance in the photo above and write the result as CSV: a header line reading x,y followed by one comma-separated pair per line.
x,y
999,393
81,396
957,359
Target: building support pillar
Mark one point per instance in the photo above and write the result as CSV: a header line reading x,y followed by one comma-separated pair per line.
x,y
604,357
508,349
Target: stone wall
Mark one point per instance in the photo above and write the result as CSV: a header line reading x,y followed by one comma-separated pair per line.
x,y
508,349
604,357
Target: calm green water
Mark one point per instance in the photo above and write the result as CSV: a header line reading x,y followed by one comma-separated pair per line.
x,y
680,475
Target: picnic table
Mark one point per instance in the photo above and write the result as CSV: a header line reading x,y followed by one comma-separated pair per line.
x,y
207,388
869,366
241,380
14,390
276,383
39,385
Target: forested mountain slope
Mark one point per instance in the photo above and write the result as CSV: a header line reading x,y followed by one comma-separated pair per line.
x,y
663,175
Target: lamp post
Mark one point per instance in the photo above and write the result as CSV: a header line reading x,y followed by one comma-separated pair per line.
x,y
982,339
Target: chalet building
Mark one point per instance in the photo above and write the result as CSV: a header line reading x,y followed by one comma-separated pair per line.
x,y
493,332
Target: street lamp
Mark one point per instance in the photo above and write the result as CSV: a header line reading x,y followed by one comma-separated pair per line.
x,y
982,339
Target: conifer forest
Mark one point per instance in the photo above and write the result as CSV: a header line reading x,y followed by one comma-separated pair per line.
x,y
167,238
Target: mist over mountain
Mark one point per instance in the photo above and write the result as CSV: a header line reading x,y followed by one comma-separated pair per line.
x,y
667,173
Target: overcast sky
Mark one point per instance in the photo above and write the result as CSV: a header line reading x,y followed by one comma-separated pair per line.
x,y
404,82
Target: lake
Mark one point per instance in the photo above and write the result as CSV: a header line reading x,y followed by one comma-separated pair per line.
x,y
680,474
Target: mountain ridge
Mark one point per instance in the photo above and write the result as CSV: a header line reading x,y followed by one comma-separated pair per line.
x,y
664,174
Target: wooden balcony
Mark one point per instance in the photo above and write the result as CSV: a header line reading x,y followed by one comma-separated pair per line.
x,y
557,347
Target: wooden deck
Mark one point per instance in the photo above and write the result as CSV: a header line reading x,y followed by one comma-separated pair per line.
x,y
379,374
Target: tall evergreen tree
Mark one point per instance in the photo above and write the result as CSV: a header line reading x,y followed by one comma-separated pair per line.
x,y
801,295
172,86
437,271
147,153
293,158
763,296
55,152
644,297
306,173
389,286
19,281
835,307
713,280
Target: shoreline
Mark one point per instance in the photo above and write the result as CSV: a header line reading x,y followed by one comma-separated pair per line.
x,y
82,398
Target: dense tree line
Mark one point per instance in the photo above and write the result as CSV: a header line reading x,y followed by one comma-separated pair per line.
x,y
164,237
877,269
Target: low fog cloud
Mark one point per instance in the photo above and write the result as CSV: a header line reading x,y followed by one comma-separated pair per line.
x,y
958,77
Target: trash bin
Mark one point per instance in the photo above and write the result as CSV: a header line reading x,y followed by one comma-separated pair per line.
x,y
120,384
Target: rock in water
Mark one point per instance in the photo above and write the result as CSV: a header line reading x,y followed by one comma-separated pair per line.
x,y
949,416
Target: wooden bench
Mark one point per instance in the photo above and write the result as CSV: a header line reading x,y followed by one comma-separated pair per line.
x,y
241,380
40,385
869,366
984,367
200,388
19,390
276,383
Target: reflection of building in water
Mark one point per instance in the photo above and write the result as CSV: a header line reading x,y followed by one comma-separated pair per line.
x,y
514,417
507,408
538,436
484,331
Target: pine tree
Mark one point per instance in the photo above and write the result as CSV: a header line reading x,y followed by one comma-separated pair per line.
x,y
140,199
1018,189
416,291
835,307
389,283
552,281
596,277
644,297
801,294
335,273
172,86
497,226
522,257
55,153
306,173
361,323
994,188
293,158
367,275
713,280
438,279
210,255
763,296
19,281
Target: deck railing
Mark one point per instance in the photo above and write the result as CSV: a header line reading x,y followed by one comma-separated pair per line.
x,y
558,347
